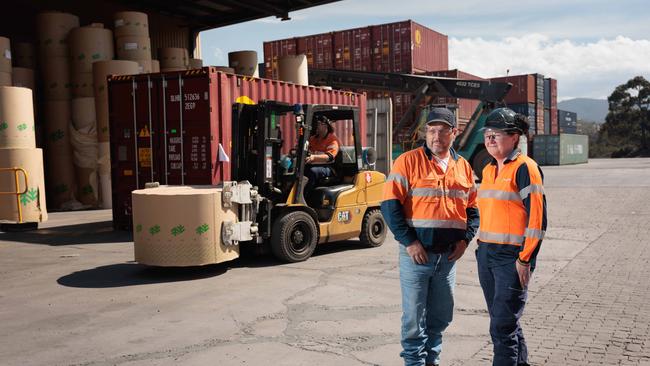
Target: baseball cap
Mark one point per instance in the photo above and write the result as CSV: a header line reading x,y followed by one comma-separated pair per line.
x,y
443,115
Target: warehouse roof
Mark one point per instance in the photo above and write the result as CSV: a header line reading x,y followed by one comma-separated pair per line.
x,y
206,14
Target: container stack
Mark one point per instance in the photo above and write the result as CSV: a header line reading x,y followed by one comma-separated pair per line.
x,y
132,40
18,151
54,57
401,47
567,121
465,107
101,70
540,127
550,106
88,45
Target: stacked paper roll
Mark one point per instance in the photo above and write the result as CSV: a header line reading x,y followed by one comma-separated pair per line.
x,y
53,29
173,59
244,63
5,62
20,160
132,39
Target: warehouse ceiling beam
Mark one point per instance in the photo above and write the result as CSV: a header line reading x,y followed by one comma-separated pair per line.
x,y
257,6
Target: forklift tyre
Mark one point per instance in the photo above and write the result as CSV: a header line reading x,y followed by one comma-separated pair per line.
x,y
373,229
294,237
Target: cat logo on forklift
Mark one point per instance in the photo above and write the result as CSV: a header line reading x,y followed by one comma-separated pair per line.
x,y
343,216
368,177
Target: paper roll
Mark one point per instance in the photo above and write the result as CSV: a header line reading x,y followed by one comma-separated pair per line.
x,y
24,78
88,45
52,29
133,48
23,55
244,63
56,78
32,203
5,55
164,238
16,118
293,68
173,58
131,23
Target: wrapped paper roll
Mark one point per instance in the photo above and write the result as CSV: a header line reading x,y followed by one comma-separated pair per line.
x,y
131,23
244,63
162,237
16,118
32,202
52,29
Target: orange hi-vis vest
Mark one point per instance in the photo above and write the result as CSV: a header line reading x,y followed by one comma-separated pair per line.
x,y
512,206
423,202
329,145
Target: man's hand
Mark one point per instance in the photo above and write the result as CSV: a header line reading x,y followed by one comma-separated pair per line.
x,y
417,253
309,159
523,270
459,249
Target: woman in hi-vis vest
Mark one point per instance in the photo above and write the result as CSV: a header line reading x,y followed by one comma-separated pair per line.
x,y
512,208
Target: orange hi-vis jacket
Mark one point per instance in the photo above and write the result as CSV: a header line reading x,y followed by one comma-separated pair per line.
x,y
329,145
423,202
512,206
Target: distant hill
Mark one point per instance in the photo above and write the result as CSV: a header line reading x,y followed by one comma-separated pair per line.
x,y
592,110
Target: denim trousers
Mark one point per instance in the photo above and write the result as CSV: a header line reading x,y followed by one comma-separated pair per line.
x,y
427,306
505,301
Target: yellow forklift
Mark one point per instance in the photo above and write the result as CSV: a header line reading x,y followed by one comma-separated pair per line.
x,y
340,207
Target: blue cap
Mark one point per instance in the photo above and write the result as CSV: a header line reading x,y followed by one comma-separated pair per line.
x,y
443,115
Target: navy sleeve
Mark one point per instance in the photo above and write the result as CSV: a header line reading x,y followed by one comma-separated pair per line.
x,y
393,213
523,181
472,223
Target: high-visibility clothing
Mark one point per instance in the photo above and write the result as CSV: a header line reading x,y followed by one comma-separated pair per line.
x,y
423,202
328,145
512,206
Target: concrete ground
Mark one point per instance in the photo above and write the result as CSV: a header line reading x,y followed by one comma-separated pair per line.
x,y
70,293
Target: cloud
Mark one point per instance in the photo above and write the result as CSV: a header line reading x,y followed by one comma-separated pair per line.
x,y
589,69
219,57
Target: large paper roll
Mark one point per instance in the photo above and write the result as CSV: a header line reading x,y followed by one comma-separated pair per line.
x,y
57,115
61,183
56,78
133,48
81,85
173,58
16,118
24,78
52,29
5,55
6,79
293,68
89,44
23,55
101,70
162,237
131,23
32,203
84,118
244,63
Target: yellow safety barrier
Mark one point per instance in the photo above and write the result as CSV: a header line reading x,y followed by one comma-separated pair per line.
x,y
16,192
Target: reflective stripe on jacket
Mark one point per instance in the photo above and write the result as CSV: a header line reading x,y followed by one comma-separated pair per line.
x,y
421,202
512,206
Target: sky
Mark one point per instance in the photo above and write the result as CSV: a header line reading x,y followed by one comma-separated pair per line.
x,y
590,46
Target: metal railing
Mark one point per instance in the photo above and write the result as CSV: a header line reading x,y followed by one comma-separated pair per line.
x,y
16,192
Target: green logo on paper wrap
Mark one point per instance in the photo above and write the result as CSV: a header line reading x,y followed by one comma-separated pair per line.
x,y
30,196
154,230
178,230
22,127
202,229
81,56
96,56
57,135
3,126
61,188
88,189
138,228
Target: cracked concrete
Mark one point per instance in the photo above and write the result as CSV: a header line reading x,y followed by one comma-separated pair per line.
x,y
71,295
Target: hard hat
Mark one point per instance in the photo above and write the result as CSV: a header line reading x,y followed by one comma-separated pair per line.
x,y
506,120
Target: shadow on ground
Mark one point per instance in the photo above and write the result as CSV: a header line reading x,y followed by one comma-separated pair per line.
x,y
134,274
91,233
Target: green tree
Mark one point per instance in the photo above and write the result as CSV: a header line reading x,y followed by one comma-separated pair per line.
x,y
626,131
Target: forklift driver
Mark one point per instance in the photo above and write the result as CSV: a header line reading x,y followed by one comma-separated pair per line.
x,y
323,147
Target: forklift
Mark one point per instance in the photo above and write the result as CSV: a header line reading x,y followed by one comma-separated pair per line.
x,y
340,207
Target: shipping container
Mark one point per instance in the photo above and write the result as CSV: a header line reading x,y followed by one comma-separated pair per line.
x,y
553,93
318,48
547,121
567,121
561,149
539,117
523,88
352,49
409,48
466,107
555,128
527,109
272,53
547,92
176,128
539,87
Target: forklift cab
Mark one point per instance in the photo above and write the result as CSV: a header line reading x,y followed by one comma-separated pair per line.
x,y
340,207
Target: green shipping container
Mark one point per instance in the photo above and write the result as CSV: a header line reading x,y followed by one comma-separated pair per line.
x,y
560,149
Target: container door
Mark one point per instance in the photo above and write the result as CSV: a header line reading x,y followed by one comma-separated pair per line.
x,y
379,132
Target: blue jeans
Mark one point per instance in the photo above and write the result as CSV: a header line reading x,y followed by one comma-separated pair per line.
x,y
505,301
315,173
427,306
